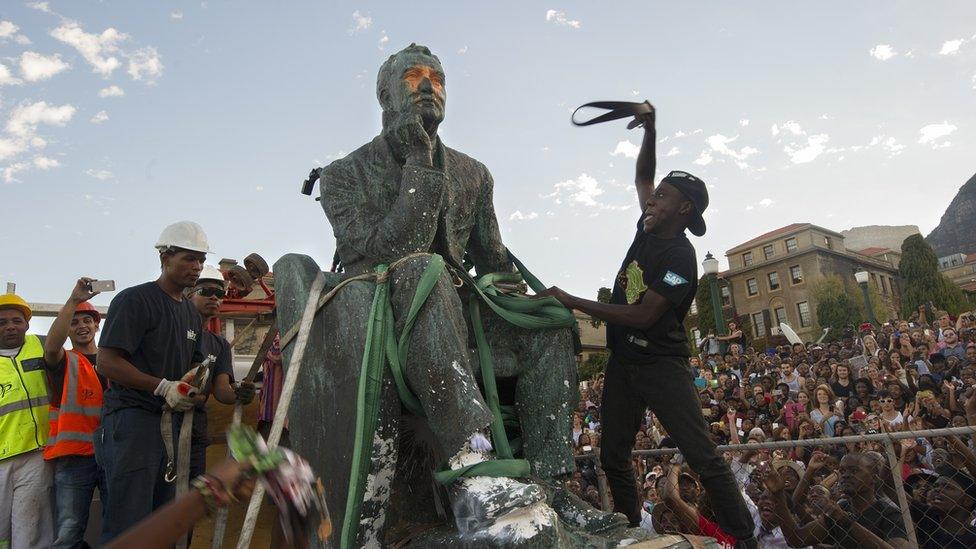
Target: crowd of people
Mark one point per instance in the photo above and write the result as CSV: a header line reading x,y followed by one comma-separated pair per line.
x,y
913,375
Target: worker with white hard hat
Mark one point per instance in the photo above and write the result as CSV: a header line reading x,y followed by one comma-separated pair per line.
x,y
207,296
149,344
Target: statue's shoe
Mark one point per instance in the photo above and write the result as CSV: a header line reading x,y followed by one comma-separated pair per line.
x,y
573,510
478,502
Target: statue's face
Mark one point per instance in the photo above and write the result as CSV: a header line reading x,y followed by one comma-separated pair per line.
x,y
420,89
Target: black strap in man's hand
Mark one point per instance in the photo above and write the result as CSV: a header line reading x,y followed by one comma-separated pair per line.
x,y
618,109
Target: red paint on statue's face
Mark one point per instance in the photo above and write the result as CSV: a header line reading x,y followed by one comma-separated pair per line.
x,y
424,87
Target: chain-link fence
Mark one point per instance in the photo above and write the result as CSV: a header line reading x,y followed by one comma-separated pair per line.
x,y
906,488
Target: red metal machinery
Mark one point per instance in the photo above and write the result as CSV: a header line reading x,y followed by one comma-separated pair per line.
x,y
240,286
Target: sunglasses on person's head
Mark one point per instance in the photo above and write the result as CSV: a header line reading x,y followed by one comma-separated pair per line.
x,y
219,293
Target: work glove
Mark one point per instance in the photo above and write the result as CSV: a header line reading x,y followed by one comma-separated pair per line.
x,y
178,394
244,390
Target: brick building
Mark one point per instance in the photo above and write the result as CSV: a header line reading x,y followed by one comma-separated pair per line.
x,y
771,276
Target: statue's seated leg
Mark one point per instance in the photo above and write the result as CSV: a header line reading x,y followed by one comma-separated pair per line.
x,y
546,391
438,371
544,363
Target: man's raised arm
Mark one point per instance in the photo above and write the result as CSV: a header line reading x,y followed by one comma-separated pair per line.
x,y
646,160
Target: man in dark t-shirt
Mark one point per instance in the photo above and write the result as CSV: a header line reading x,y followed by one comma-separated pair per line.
x,y
149,342
648,365
206,296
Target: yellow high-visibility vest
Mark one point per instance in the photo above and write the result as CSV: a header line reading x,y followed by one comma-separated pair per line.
x,y
23,400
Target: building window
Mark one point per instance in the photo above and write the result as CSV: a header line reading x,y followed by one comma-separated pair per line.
x,y
752,286
726,296
768,251
791,245
747,259
696,333
759,324
780,313
694,307
803,309
796,274
827,243
773,280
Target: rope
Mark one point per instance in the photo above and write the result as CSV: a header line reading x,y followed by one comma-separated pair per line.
x,y
291,377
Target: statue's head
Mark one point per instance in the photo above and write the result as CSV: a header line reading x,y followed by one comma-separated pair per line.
x,y
412,80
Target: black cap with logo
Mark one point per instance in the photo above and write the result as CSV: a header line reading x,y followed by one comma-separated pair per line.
x,y
695,191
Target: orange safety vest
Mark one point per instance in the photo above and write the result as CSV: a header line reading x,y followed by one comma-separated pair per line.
x,y
73,424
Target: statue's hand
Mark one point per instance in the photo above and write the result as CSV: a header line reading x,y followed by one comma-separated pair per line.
x,y
411,138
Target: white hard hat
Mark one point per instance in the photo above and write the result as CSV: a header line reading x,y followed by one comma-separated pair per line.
x,y
184,234
210,272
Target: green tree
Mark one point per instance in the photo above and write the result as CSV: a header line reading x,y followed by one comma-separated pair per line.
x,y
836,306
593,365
922,281
703,299
603,295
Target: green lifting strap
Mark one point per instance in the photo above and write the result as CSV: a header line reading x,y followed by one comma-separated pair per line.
x,y
382,345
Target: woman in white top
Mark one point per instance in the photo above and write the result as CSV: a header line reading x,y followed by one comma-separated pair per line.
x,y
870,346
822,414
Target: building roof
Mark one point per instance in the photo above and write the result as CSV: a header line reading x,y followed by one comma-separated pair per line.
x,y
871,252
970,258
782,230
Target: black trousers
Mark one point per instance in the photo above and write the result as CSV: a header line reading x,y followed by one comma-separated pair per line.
x,y
666,386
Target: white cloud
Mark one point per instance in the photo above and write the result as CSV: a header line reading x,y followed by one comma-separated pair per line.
x,y
176,15
145,62
559,18
11,147
111,91
519,216
99,174
750,208
933,134
673,152
893,146
744,122
9,171
259,188
815,146
35,66
626,148
384,39
704,159
96,49
462,50
25,117
582,191
40,6
720,144
882,52
360,22
7,78
45,163
766,202
789,126
8,29
100,116
951,47
974,81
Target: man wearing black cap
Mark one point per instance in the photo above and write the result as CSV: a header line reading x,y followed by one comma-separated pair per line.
x,y
648,366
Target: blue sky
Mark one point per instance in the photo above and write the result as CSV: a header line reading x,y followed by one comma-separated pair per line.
x,y
117,118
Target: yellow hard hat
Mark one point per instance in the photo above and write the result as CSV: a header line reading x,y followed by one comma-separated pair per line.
x,y
14,301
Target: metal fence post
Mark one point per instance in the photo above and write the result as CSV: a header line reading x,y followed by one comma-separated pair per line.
x,y
601,486
900,490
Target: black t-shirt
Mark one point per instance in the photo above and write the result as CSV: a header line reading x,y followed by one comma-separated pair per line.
x,y
216,347
55,378
842,391
882,518
669,267
157,334
937,538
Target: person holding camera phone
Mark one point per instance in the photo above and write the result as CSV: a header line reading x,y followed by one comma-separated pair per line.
x,y
648,365
75,414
